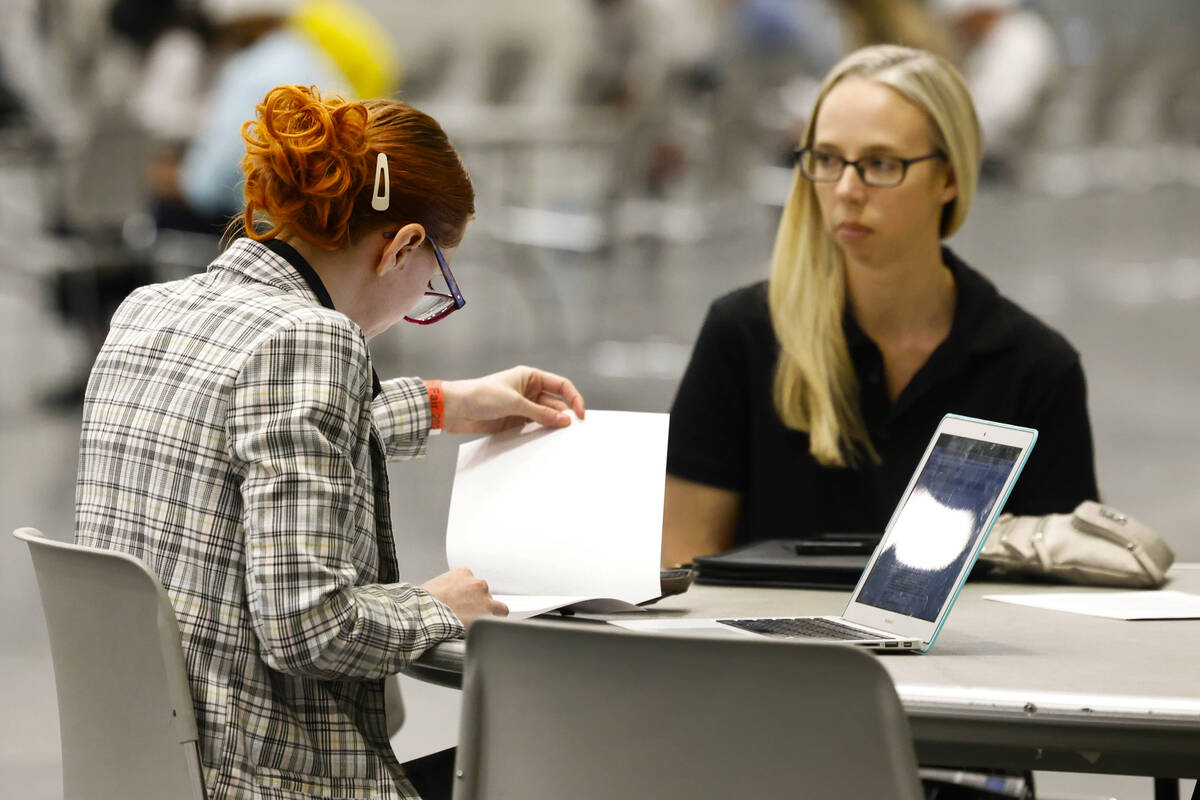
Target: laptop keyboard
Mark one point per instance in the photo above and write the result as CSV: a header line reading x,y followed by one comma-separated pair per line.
x,y
801,628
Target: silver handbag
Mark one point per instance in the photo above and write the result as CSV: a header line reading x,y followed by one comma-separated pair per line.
x,y
1095,545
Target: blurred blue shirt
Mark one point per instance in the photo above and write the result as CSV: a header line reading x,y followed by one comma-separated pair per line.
x,y
210,176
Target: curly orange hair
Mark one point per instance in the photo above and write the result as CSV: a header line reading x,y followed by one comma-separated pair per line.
x,y
310,160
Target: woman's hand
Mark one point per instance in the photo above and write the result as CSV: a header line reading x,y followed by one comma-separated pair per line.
x,y
467,596
509,399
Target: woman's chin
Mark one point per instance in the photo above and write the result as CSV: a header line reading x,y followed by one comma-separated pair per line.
x,y
860,251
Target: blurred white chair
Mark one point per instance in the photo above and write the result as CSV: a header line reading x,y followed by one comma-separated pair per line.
x,y
551,712
124,707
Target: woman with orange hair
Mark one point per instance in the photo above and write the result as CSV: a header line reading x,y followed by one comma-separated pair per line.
x,y
235,438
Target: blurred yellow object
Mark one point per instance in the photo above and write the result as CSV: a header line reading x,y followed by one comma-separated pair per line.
x,y
354,43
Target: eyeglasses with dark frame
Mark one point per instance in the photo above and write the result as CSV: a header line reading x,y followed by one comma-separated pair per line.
x,y
436,305
879,171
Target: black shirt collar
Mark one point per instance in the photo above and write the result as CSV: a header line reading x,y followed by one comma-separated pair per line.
x,y
301,265
979,322
310,276
982,324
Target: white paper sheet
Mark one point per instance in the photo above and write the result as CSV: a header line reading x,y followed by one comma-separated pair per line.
x,y
521,606
563,514
1165,604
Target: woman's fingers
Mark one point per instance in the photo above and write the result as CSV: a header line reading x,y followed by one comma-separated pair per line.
x,y
557,384
552,400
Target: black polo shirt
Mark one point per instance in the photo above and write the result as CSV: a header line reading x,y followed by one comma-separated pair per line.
x,y
999,363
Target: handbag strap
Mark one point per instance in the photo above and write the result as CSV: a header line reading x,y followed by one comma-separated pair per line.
x,y
1038,540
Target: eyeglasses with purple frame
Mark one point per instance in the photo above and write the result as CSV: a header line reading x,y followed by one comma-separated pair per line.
x,y
435,306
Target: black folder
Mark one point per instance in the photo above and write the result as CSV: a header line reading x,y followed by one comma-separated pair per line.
x,y
776,562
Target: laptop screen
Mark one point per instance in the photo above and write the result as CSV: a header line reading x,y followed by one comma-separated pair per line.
x,y
934,532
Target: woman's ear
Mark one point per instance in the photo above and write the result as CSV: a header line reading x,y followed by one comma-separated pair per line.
x,y
401,243
950,190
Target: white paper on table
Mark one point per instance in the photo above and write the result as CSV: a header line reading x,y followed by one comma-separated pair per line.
x,y
521,606
1166,604
566,513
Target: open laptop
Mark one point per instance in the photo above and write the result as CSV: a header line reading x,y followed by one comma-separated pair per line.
x,y
930,544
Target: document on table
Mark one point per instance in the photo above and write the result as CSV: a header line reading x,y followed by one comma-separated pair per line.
x,y
1166,604
554,517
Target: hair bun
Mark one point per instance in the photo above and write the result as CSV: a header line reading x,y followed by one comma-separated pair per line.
x,y
306,162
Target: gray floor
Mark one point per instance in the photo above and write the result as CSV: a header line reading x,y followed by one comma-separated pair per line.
x,y
1117,272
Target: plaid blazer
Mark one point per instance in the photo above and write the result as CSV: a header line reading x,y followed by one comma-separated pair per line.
x,y
231,441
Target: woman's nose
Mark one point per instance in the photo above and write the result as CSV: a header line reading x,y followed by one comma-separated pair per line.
x,y
850,184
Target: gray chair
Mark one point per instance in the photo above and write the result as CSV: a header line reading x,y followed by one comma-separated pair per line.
x,y
124,707
554,711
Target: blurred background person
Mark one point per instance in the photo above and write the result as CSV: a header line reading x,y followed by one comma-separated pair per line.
x,y
174,40
1010,58
905,22
261,44
784,47
201,69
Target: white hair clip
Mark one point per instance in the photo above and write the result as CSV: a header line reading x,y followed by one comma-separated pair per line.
x,y
381,200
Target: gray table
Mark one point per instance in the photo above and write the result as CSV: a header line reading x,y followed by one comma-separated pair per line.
x,y
1008,686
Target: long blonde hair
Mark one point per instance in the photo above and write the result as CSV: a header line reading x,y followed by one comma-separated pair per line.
x,y
816,388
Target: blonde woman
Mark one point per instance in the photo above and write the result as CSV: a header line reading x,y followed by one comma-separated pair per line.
x,y
810,396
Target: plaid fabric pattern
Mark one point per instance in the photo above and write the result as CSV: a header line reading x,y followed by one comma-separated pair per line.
x,y
230,440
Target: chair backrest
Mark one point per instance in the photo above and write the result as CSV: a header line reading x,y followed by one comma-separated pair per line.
x,y
551,711
124,707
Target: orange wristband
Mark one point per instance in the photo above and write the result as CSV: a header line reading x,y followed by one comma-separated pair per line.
x,y
437,404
